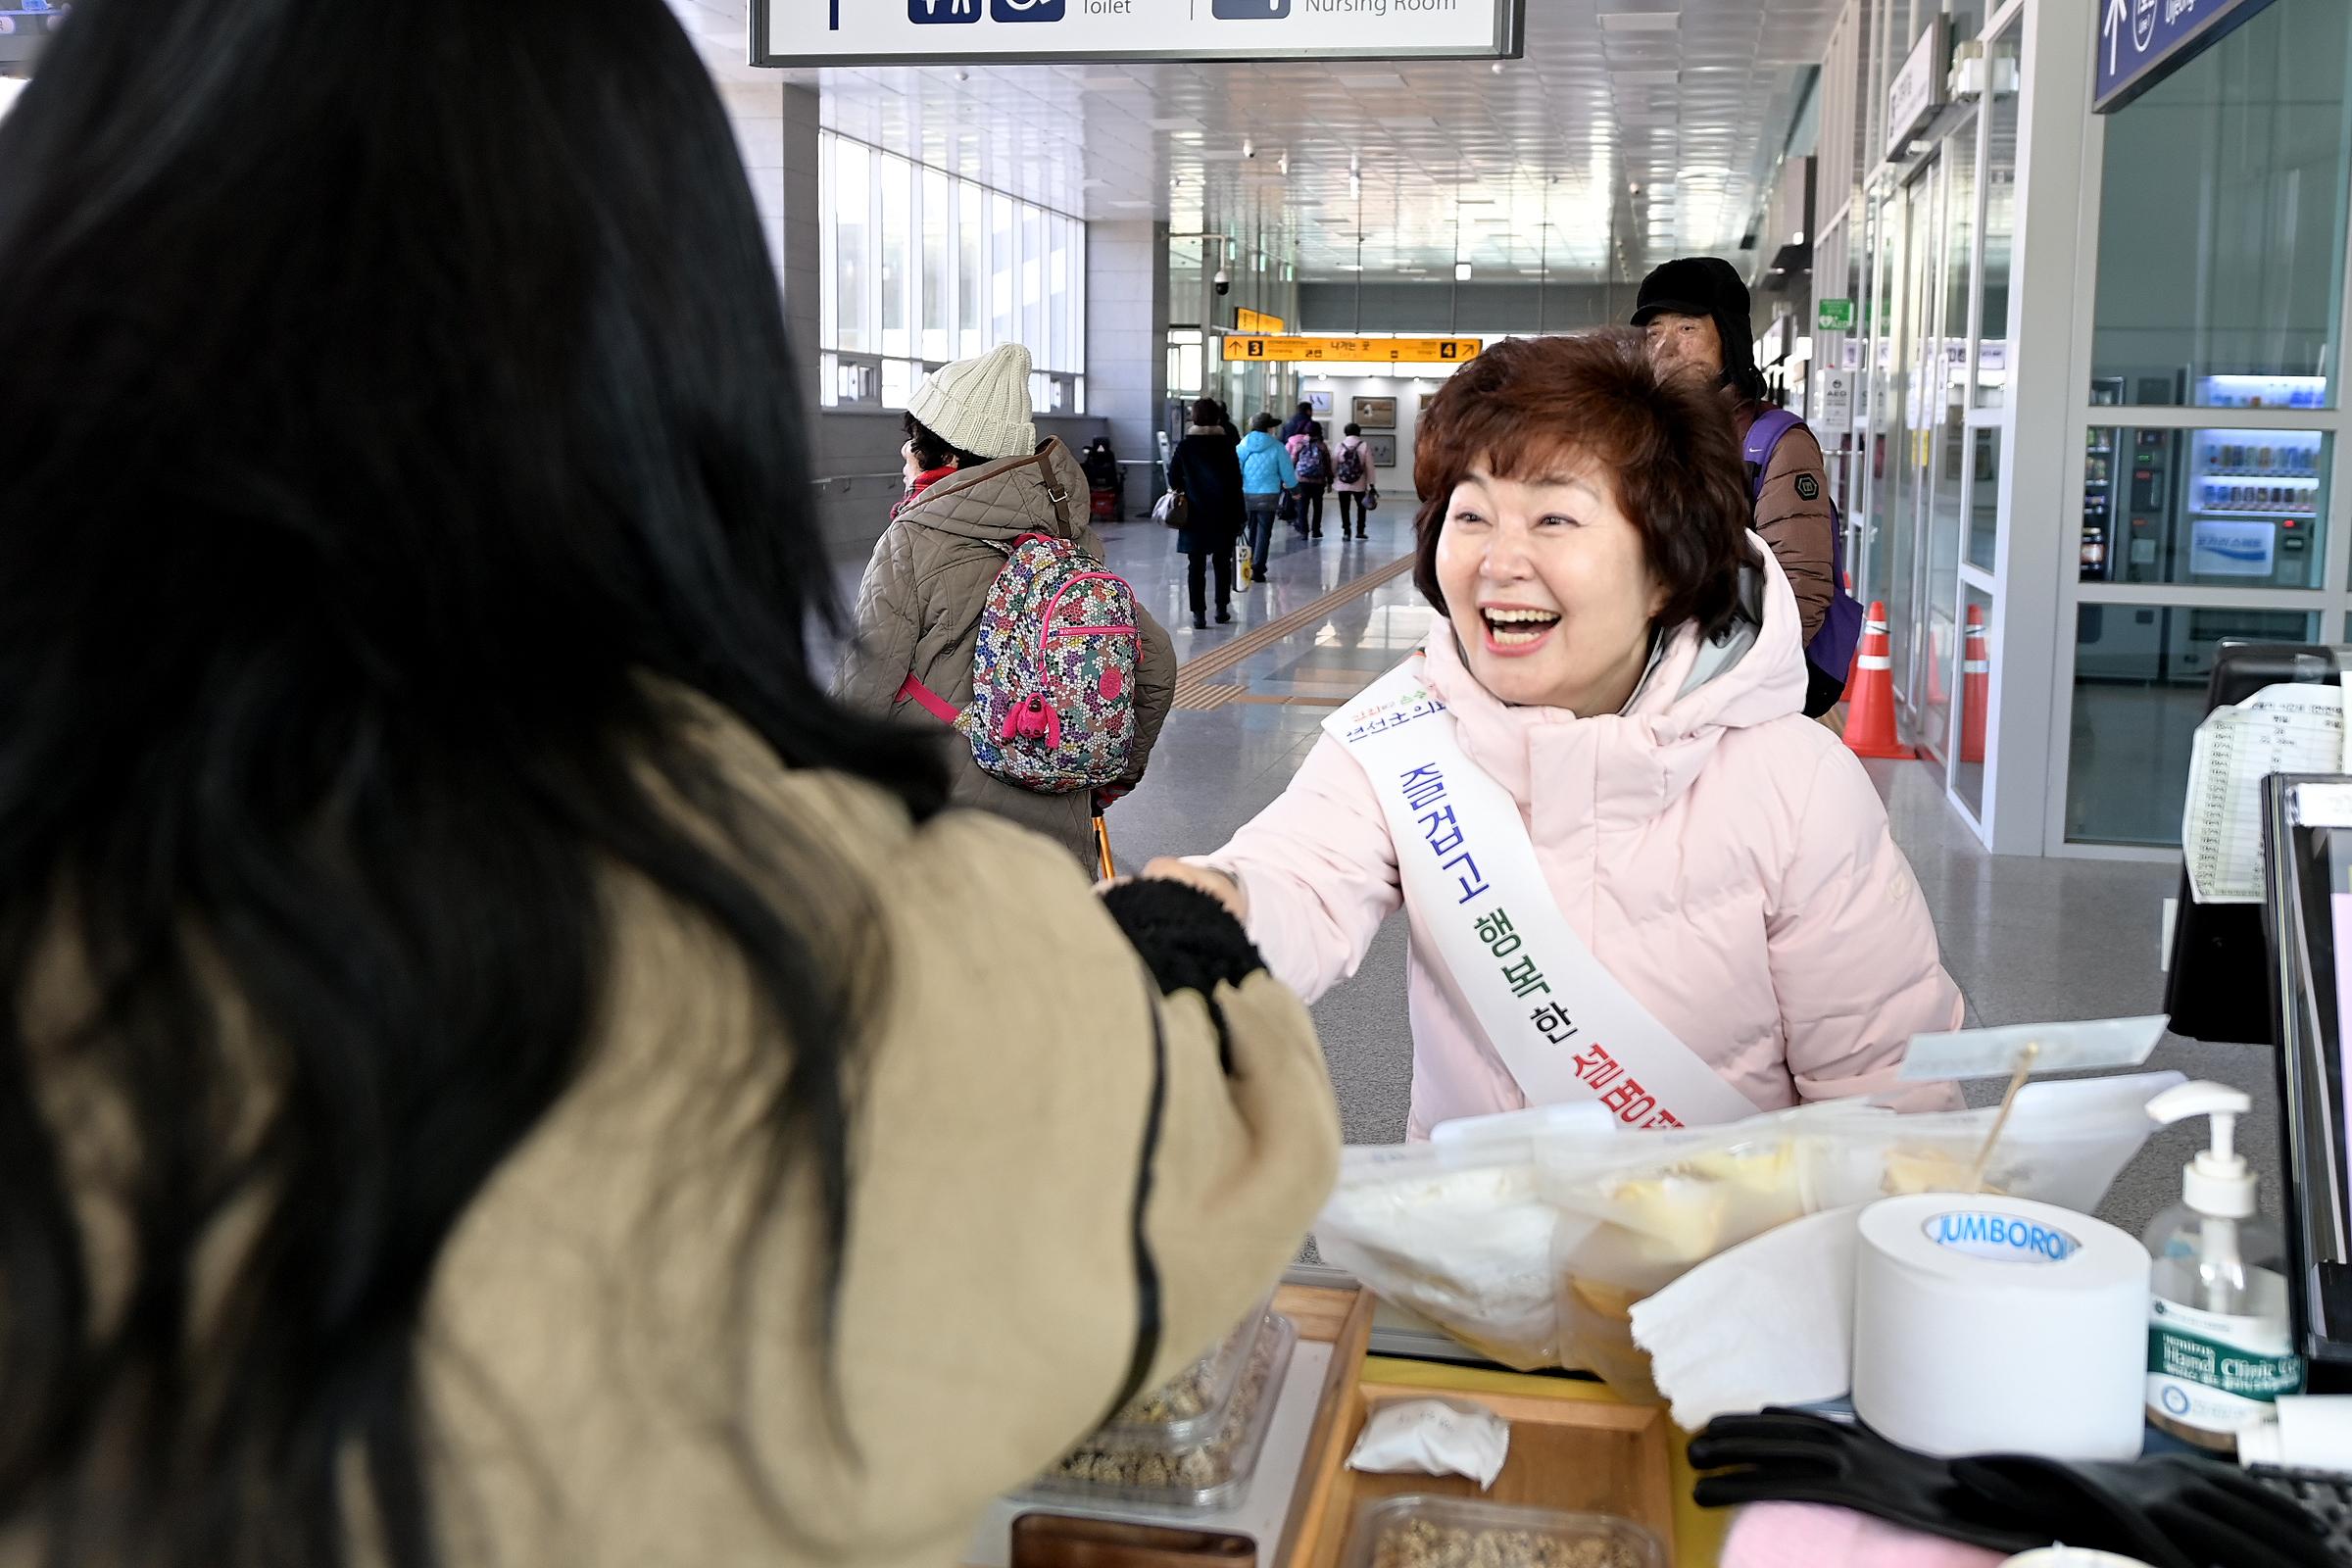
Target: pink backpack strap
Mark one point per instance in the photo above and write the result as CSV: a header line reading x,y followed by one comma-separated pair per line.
x,y
932,703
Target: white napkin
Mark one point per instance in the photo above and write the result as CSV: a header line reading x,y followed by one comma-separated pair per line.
x,y
1769,1322
1434,1438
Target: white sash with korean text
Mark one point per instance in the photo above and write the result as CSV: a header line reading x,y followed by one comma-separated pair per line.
x,y
1562,1024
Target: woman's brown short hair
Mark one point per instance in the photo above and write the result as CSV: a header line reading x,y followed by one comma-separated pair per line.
x,y
1519,409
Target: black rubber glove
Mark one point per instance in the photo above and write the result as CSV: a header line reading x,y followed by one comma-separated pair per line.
x,y
1787,1456
2171,1511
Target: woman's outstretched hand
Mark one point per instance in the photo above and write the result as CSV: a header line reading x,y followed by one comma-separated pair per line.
x,y
1217,884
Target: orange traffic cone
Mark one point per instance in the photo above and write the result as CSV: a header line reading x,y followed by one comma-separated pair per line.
x,y
1870,700
1976,688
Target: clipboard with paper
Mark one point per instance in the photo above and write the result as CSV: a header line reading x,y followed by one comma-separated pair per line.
x,y
2282,728
2212,947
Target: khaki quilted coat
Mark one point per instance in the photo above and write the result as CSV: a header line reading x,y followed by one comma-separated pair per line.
x,y
918,613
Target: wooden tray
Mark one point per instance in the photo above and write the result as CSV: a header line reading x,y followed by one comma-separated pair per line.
x,y
1578,1456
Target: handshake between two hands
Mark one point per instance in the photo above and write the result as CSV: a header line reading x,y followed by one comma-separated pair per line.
x,y
1167,868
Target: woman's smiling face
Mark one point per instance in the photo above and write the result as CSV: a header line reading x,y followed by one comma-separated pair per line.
x,y
1548,587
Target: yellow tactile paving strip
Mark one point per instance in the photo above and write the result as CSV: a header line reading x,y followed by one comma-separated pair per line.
x,y
1197,687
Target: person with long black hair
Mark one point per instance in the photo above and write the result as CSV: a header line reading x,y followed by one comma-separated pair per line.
x,y
500,1067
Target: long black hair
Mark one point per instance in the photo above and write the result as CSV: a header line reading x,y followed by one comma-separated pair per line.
x,y
395,425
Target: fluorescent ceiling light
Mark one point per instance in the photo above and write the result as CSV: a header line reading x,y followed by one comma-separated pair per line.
x,y
1641,21
1461,271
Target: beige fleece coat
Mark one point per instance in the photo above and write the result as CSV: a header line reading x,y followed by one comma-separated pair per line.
x,y
918,613
1050,1168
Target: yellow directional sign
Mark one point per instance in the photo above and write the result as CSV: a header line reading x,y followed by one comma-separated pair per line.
x,y
1357,349
1246,319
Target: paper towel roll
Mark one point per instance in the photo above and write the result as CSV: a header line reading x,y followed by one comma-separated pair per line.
x,y
1987,1325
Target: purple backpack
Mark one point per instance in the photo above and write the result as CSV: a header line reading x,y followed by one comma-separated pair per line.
x,y
1832,650
1052,705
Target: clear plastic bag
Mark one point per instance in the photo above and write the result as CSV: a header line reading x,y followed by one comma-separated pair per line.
x,y
1459,1235
1530,1236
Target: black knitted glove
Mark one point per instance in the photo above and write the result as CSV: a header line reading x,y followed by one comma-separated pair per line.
x,y
1189,940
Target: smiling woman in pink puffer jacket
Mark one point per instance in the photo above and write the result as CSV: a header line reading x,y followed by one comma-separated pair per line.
x,y
1620,656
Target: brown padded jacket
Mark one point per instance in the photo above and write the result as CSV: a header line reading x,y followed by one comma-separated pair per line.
x,y
1055,1189
1793,518
918,613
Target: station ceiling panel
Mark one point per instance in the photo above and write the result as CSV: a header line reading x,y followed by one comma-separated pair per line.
x,y
1632,130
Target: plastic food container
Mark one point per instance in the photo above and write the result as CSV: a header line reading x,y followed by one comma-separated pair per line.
x,y
1421,1532
1211,1459
1192,1406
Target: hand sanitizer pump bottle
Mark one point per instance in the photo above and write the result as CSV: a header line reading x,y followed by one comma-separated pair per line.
x,y
2220,1351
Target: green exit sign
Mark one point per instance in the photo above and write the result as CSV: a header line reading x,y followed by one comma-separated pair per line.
x,y
1836,315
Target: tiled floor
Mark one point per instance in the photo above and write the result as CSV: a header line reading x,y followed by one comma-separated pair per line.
x,y
2028,940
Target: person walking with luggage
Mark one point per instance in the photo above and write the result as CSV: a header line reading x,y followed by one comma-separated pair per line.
x,y
980,481
1310,457
1266,472
1695,310
1351,481
1206,470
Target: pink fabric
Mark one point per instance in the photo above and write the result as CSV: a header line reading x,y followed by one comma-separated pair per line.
x,y
929,701
1805,1535
1725,856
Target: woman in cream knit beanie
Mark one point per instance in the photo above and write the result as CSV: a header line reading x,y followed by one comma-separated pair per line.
x,y
978,482
980,405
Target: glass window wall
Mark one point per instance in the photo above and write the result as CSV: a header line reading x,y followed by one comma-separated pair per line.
x,y
2139,691
922,267
2222,221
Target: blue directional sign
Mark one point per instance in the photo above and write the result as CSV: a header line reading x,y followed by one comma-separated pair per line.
x,y
2144,41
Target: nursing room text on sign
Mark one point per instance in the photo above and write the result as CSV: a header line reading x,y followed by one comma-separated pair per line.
x,y
2144,41
1357,349
918,32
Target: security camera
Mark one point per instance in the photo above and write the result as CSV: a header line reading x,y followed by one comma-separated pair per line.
x,y
1223,281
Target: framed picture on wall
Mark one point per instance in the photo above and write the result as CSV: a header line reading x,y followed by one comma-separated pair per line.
x,y
1374,413
1384,450
1320,401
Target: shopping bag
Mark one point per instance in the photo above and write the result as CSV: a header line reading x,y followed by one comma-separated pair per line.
x,y
1172,510
1287,508
1244,569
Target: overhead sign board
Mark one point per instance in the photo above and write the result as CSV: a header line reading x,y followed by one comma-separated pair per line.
x,y
1246,319
1357,349
1915,94
2144,41
963,33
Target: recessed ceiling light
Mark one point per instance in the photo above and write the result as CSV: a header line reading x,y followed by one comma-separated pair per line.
x,y
1461,271
1641,21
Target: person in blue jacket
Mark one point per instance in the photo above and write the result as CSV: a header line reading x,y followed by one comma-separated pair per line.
x,y
1266,472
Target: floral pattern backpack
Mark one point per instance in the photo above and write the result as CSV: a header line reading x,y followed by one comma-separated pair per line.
x,y
1052,705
